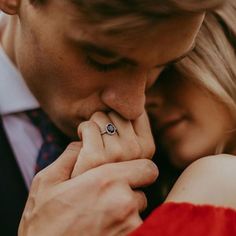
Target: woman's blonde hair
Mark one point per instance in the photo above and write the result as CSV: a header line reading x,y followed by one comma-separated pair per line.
x,y
212,64
212,67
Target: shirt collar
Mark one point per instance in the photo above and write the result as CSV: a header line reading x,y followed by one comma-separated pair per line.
x,y
15,96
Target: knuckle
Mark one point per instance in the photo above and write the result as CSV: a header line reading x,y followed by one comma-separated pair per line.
x,y
97,116
150,169
136,150
39,180
128,204
143,200
125,207
87,125
74,146
134,223
131,150
102,182
151,150
117,153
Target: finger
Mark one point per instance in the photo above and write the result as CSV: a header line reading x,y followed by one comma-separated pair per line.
x,y
121,147
130,225
92,149
124,126
136,173
89,133
144,134
102,120
113,149
141,200
61,169
142,125
139,173
128,138
136,137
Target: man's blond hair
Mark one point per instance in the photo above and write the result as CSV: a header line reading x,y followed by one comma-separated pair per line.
x,y
131,14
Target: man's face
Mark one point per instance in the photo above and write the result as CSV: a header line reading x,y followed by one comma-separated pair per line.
x,y
74,69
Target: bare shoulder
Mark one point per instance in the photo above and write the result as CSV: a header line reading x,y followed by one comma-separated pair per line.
x,y
209,180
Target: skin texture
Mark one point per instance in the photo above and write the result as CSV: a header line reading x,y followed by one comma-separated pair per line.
x,y
56,67
63,201
190,122
210,180
99,149
75,189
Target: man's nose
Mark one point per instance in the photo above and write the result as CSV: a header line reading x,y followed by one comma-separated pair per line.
x,y
126,97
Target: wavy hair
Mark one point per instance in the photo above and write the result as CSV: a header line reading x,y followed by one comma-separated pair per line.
x,y
213,62
119,15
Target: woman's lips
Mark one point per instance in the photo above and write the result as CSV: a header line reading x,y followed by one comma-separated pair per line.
x,y
171,127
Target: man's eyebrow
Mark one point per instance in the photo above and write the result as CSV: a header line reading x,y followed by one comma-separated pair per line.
x,y
96,49
93,48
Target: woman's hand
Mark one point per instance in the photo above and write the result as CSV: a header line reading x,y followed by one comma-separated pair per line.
x,y
133,140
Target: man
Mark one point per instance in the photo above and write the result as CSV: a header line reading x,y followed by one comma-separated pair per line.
x,y
76,58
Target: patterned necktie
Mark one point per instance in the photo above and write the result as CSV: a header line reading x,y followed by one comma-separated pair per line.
x,y
54,141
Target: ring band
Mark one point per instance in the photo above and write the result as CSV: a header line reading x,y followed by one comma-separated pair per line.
x,y
110,129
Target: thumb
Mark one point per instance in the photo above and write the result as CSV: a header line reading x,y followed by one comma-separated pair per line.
x,y
61,169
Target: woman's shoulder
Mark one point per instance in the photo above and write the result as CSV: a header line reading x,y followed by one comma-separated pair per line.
x,y
202,202
209,180
214,159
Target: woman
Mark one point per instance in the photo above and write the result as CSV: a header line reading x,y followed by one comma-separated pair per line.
x,y
193,104
193,110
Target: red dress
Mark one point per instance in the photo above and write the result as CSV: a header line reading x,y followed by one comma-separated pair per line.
x,y
184,219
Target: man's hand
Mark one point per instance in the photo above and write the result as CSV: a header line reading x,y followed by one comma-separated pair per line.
x,y
99,201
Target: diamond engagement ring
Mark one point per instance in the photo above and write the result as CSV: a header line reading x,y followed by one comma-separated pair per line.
x,y
110,129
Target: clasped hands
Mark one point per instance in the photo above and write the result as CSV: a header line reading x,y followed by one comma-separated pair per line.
x,y
92,188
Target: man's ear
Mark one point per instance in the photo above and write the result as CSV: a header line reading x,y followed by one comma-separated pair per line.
x,y
10,7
